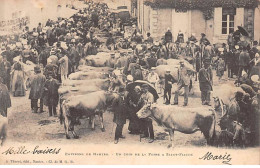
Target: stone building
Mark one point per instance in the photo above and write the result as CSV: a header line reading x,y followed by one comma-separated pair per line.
x,y
215,18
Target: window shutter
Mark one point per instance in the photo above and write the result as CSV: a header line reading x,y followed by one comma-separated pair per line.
x,y
217,21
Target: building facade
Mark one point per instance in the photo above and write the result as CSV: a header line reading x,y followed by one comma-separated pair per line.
x,y
216,20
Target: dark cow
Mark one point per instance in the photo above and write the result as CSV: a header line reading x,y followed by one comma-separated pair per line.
x,y
87,105
185,120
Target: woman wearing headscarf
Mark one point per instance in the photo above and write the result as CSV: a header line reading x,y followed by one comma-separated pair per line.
x,y
17,82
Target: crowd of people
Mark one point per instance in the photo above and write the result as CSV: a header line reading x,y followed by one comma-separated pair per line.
x,y
57,48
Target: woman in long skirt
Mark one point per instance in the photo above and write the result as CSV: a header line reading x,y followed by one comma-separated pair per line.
x,y
18,76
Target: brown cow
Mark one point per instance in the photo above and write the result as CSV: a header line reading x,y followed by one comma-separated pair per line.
x,y
185,120
87,105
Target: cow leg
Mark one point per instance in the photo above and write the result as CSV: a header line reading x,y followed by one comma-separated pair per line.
x,y
93,122
66,129
102,121
75,135
171,133
66,122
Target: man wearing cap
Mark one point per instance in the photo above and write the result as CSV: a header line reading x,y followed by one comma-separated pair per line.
x,y
37,89
205,82
183,81
119,109
147,125
5,100
169,80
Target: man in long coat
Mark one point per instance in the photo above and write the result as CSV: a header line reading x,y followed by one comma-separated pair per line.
x,y
5,70
183,81
52,95
119,108
146,124
37,89
5,100
132,104
205,81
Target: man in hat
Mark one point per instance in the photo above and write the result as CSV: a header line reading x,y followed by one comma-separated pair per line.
x,y
50,68
203,39
192,38
147,125
169,80
52,96
205,82
244,60
39,28
9,55
37,89
220,67
153,78
149,38
183,81
132,102
5,70
5,100
254,50
168,36
208,51
119,109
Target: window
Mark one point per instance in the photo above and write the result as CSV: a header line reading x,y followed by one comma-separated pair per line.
x,y
228,16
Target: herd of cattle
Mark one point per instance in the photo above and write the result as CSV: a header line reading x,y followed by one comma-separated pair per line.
x,y
85,94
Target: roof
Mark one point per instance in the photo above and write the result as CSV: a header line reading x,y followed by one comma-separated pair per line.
x,y
200,4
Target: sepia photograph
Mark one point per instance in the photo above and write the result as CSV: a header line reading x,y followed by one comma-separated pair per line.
x,y
129,82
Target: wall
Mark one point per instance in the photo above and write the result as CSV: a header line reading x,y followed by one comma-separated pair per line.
x,y
146,27
191,22
164,21
181,22
257,24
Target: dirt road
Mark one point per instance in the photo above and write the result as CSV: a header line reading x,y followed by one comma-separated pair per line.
x,y
25,126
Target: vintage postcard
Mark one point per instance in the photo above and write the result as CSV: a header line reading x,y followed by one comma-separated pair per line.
x,y
129,82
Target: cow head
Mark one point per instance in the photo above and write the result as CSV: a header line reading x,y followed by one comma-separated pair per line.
x,y
145,111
